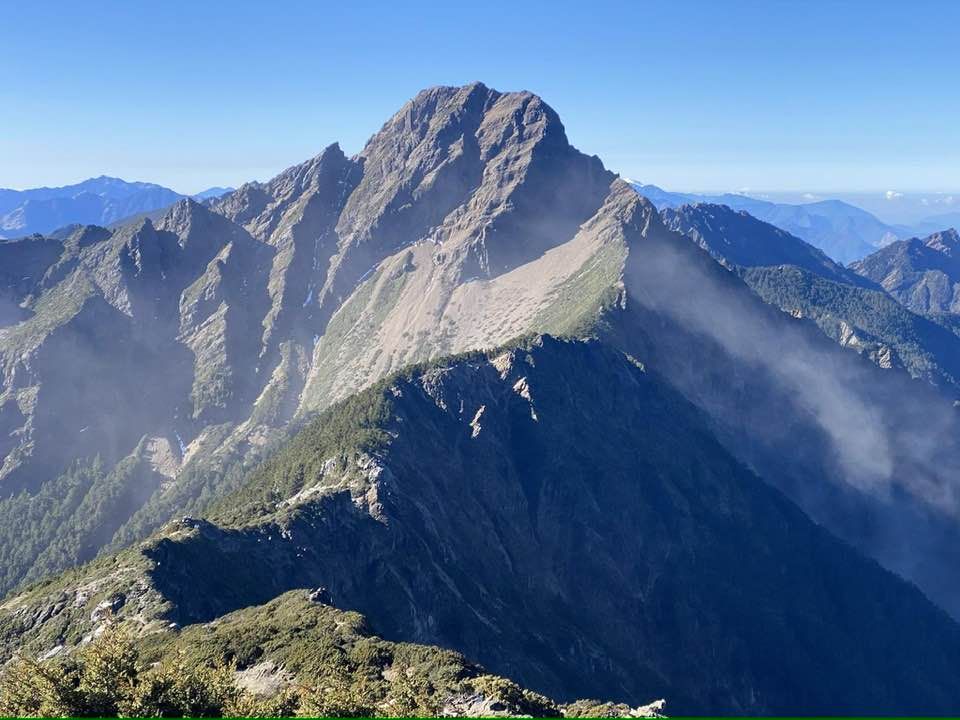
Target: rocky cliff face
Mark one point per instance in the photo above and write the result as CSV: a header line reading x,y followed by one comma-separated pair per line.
x,y
924,275
563,517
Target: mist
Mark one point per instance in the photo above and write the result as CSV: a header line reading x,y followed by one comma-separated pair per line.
x,y
869,453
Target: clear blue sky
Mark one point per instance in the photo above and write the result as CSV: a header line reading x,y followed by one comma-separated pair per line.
x,y
807,95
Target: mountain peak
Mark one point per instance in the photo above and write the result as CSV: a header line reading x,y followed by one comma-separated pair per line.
x,y
431,97
922,273
447,111
183,212
306,173
945,241
429,112
200,230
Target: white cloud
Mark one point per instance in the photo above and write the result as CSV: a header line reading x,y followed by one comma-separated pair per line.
x,y
892,194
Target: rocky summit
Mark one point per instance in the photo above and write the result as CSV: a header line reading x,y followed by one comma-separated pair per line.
x,y
705,463
922,274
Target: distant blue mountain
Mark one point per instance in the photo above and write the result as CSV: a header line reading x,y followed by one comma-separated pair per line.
x,y
97,201
936,223
841,230
212,193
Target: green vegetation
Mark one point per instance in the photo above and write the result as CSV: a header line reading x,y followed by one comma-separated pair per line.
x,y
108,679
292,656
351,426
925,349
83,512
575,306
205,479
30,523
83,533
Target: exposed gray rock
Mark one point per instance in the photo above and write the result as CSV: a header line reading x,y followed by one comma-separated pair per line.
x,y
924,274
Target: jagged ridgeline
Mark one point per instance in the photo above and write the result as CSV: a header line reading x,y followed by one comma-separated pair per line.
x,y
599,533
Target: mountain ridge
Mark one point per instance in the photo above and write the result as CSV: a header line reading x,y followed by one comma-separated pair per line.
x,y
349,505
843,231
266,336
923,274
799,279
102,200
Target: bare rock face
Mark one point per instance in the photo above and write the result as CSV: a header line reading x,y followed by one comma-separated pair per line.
x,y
22,267
416,304
296,213
471,170
924,274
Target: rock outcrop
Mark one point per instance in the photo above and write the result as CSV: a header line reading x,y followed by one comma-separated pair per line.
x,y
923,274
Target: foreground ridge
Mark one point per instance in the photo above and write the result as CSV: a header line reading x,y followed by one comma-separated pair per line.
x,y
441,505
299,656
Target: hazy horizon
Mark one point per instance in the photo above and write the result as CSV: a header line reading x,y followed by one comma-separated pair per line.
x,y
813,194
891,206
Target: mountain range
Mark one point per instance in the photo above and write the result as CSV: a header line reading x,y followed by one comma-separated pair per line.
x,y
843,231
97,201
489,395
849,306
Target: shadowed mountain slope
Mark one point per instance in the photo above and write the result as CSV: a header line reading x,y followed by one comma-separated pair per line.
x,y
800,280
563,517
